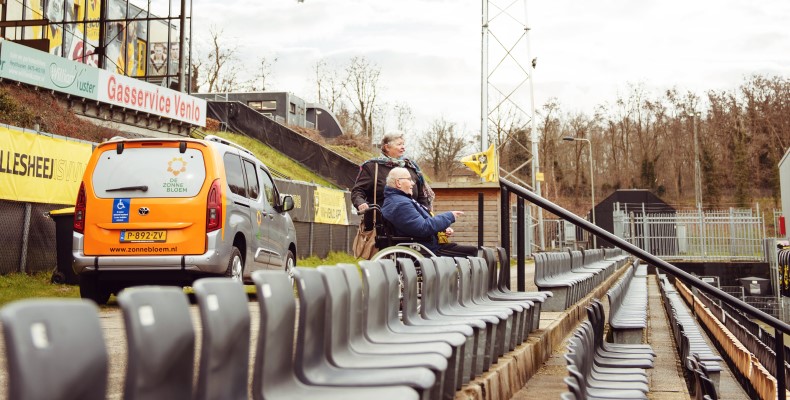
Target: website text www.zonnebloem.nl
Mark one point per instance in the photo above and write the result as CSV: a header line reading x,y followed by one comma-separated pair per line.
x,y
146,249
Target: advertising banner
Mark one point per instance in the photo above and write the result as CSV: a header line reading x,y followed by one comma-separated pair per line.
x,y
138,95
302,194
40,169
26,65
330,206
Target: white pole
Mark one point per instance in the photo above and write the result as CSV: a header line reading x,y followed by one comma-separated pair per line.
x,y
534,130
484,81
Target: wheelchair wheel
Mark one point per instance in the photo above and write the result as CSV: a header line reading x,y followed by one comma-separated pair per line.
x,y
404,251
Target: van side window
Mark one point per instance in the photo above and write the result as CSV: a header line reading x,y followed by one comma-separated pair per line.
x,y
268,188
253,189
234,174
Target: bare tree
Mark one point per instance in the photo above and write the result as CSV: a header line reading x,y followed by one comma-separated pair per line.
x,y
404,117
441,147
264,73
362,89
222,67
329,86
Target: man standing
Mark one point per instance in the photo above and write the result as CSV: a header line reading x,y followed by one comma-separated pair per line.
x,y
409,218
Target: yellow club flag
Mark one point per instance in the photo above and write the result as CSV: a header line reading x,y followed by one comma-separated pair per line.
x,y
485,164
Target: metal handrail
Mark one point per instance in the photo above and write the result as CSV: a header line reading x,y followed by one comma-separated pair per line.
x,y
522,193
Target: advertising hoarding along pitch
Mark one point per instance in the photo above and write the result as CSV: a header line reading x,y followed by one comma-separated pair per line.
x,y
26,65
40,169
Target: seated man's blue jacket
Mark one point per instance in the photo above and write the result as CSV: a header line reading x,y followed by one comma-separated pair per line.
x,y
410,219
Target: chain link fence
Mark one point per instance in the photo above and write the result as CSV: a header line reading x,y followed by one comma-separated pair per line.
x,y
28,237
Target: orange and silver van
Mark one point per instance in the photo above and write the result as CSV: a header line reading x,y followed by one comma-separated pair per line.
x,y
169,211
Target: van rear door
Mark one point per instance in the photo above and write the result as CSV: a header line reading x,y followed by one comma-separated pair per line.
x,y
147,198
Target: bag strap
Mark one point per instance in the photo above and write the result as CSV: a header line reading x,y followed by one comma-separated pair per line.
x,y
375,189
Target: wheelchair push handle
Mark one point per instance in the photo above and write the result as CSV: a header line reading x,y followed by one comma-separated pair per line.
x,y
370,208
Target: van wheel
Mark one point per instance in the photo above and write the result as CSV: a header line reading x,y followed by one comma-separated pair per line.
x,y
290,265
235,265
90,289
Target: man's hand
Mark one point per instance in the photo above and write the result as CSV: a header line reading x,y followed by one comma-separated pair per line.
x,y
457,214
449,231
362,207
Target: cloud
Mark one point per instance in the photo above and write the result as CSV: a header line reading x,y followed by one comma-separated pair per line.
x,y
429,50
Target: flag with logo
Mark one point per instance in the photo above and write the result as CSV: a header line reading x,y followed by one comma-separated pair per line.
x,y
485,164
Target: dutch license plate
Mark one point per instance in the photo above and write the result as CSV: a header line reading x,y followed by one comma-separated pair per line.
x,y
143,236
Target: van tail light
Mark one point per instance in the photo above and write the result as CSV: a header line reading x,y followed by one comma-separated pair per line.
x,y
214,207
79,210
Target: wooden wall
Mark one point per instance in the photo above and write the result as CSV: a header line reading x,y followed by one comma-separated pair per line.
x,y
463,197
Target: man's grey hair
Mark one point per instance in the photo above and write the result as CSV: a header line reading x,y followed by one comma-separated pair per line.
x,y
396,173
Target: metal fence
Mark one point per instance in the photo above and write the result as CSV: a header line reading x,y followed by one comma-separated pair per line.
x,y
696,235
27,236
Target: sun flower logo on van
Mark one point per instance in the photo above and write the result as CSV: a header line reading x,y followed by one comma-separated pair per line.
x,y
177,165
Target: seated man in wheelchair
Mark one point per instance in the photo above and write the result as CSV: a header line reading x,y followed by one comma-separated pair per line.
x,y
409,218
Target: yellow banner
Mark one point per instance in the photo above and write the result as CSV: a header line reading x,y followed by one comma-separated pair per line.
x,y
330,206
40,169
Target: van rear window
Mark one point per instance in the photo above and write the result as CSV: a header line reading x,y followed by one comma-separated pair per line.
x,y
149,172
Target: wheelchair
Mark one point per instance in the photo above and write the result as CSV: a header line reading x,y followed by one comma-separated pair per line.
x,y
393,246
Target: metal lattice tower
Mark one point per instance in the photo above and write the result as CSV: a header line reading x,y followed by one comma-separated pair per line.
x,y
508,101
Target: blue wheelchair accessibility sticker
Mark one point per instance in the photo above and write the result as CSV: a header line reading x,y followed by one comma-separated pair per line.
x,y
120,210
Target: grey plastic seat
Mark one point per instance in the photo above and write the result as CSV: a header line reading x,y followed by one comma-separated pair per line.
x,y
469,299
160,342
492,287
411,316
595,315
578,356
481,295
274,372
434,295
358,335
225,344
342,355
447,304
393,321
609,359
376,292
581,356
312,365
53,347
604,393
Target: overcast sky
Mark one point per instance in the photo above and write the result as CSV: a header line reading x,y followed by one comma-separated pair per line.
x,y
587,51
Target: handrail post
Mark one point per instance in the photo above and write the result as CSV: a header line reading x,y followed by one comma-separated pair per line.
x,y
520,259
480,219
779,349
504,215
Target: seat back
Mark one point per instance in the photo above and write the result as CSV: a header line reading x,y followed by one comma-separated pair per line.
x,y
274,349
160,341
338,306
374,291
489,256
310,340
503,280
225,345
410,290
430,290
357,312
53,348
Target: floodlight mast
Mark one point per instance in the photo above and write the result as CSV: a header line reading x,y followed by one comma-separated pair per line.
x,y
509,95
